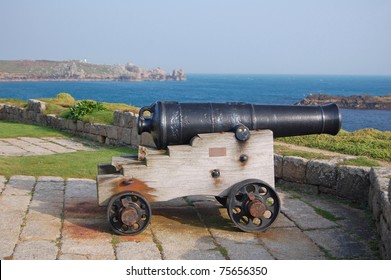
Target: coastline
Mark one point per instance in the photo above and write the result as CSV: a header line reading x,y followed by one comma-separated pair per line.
x,y
354,102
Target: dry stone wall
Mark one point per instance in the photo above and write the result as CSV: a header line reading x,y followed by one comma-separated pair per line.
x,y
122,132
363,185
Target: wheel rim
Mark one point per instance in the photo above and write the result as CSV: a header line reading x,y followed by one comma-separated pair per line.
x,y
129,213
253,205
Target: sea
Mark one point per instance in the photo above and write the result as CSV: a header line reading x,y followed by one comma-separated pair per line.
x,y
258,89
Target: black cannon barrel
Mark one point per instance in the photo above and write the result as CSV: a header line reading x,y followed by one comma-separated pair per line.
x,y
173,123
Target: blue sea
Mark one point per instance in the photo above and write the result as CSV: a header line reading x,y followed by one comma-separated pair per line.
x,y
260,89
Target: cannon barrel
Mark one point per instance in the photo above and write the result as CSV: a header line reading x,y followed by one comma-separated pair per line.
x,y
173,123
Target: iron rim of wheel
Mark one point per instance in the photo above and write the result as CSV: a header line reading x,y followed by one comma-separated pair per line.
x,y
128,213
253,205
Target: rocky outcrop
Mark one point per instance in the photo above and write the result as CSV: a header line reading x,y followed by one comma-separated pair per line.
x,y
36,70
350,102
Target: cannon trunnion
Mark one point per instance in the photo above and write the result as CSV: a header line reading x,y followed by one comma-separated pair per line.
x,y
223,150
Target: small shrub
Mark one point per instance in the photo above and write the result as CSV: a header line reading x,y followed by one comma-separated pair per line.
x,y
64,100
83,108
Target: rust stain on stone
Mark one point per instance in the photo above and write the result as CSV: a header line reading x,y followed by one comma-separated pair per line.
x,y
83,230
88,209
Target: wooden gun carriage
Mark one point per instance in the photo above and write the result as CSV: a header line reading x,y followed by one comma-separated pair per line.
x,y
224,150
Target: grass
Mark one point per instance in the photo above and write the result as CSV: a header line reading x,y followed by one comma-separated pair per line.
x,y
285,151
12,130
106,117
81,164
360,161
60,105
14,102
365,142
325,214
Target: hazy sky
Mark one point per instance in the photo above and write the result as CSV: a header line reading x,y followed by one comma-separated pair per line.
x,y
204,36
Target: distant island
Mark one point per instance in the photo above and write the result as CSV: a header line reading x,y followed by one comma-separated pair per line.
x,y
80,70
350,102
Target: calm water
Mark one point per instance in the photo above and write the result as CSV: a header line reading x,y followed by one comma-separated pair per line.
x,y
261,89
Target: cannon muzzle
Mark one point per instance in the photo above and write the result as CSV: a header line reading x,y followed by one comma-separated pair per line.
x,y
173,123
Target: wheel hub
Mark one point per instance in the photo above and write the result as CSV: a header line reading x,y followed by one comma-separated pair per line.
x,y
130,216
256,208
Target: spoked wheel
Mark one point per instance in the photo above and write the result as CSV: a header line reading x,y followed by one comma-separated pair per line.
x,y
129,213
253,205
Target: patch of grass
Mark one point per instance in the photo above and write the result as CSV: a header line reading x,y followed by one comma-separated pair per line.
x,y
120,107
285,151
327,253
360,161
63,102
52,108
365,142
11,130
325,214
104,117
14,102
81,164
115,241
62,99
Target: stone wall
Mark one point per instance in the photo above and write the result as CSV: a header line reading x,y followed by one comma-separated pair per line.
x,y
366,186
122,132
363,185
380,204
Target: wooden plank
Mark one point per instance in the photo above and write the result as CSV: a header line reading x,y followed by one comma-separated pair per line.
x,y
185,170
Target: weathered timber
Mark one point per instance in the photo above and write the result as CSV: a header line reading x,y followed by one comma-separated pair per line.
x,y
209,165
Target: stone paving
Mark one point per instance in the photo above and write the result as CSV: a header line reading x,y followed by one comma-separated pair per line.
x,y
51,218
28,146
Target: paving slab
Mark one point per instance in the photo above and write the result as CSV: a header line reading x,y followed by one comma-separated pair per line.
x,y
303,215
189,240
73,143
137,247
43,220
53,218
14,204
3,180
29,146
137,251
12,151
290,244
36,250
85,231
339,244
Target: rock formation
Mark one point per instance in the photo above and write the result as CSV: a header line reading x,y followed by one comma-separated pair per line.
x,y
35,70
350,102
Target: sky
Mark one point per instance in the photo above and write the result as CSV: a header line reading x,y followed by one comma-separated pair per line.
x,y
204,36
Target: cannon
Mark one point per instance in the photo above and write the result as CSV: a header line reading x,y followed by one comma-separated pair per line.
x,y
173,123
223,150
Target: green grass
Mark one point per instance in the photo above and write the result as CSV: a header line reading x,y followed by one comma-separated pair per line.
x,y
365,142
325,214
105,117
14,102
285,151
81,164
60,105
11,130
360,161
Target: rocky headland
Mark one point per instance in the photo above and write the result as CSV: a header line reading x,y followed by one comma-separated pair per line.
x,y
350,102
80,70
